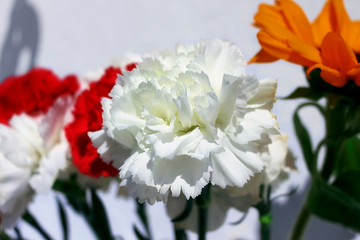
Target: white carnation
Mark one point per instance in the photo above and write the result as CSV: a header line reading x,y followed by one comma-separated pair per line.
x,y
191,117
32,151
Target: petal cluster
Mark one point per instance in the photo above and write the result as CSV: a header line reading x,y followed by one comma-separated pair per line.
x,y
330,43
187,117
32,145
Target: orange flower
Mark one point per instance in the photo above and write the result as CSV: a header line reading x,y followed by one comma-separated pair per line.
x,y
330,43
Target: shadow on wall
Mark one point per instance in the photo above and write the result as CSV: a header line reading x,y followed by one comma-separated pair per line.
x,y
21,41
284,216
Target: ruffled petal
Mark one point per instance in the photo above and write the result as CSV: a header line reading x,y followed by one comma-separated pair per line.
x,y
230,170
265,96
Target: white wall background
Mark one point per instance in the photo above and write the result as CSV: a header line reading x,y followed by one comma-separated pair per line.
x,y
78,36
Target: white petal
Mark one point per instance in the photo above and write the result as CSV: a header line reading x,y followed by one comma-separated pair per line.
x,y
168,146
227,98
185,110
50,165
218,58
265,96
28,130
52,124
175,174
15,146
144,192
15,193
228,170
254,124
20,203
109,150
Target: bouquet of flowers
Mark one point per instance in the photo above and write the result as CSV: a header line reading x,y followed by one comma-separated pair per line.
x,y
189,127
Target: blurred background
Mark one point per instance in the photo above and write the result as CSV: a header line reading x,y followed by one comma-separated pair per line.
x,y
85,35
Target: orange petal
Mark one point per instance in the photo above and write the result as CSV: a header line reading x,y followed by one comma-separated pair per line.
x,y
332,18
336,54
329,75
297,20
338,16
354,36
263,57
268,12
280,49
307,51
270,19
322,24
273,46
354,74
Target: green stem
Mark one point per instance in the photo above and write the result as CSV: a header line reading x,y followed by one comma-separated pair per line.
x,y
180,234
203,202
301,224
265,227
264,209
202,222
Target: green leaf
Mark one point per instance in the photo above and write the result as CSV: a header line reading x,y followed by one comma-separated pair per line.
x,y
333,204
304,92
349,160
63,219
349,183
304,140
353,117
30,219
100,217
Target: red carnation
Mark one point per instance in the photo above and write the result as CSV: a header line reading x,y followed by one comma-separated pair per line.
x,y
88,117
33,93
